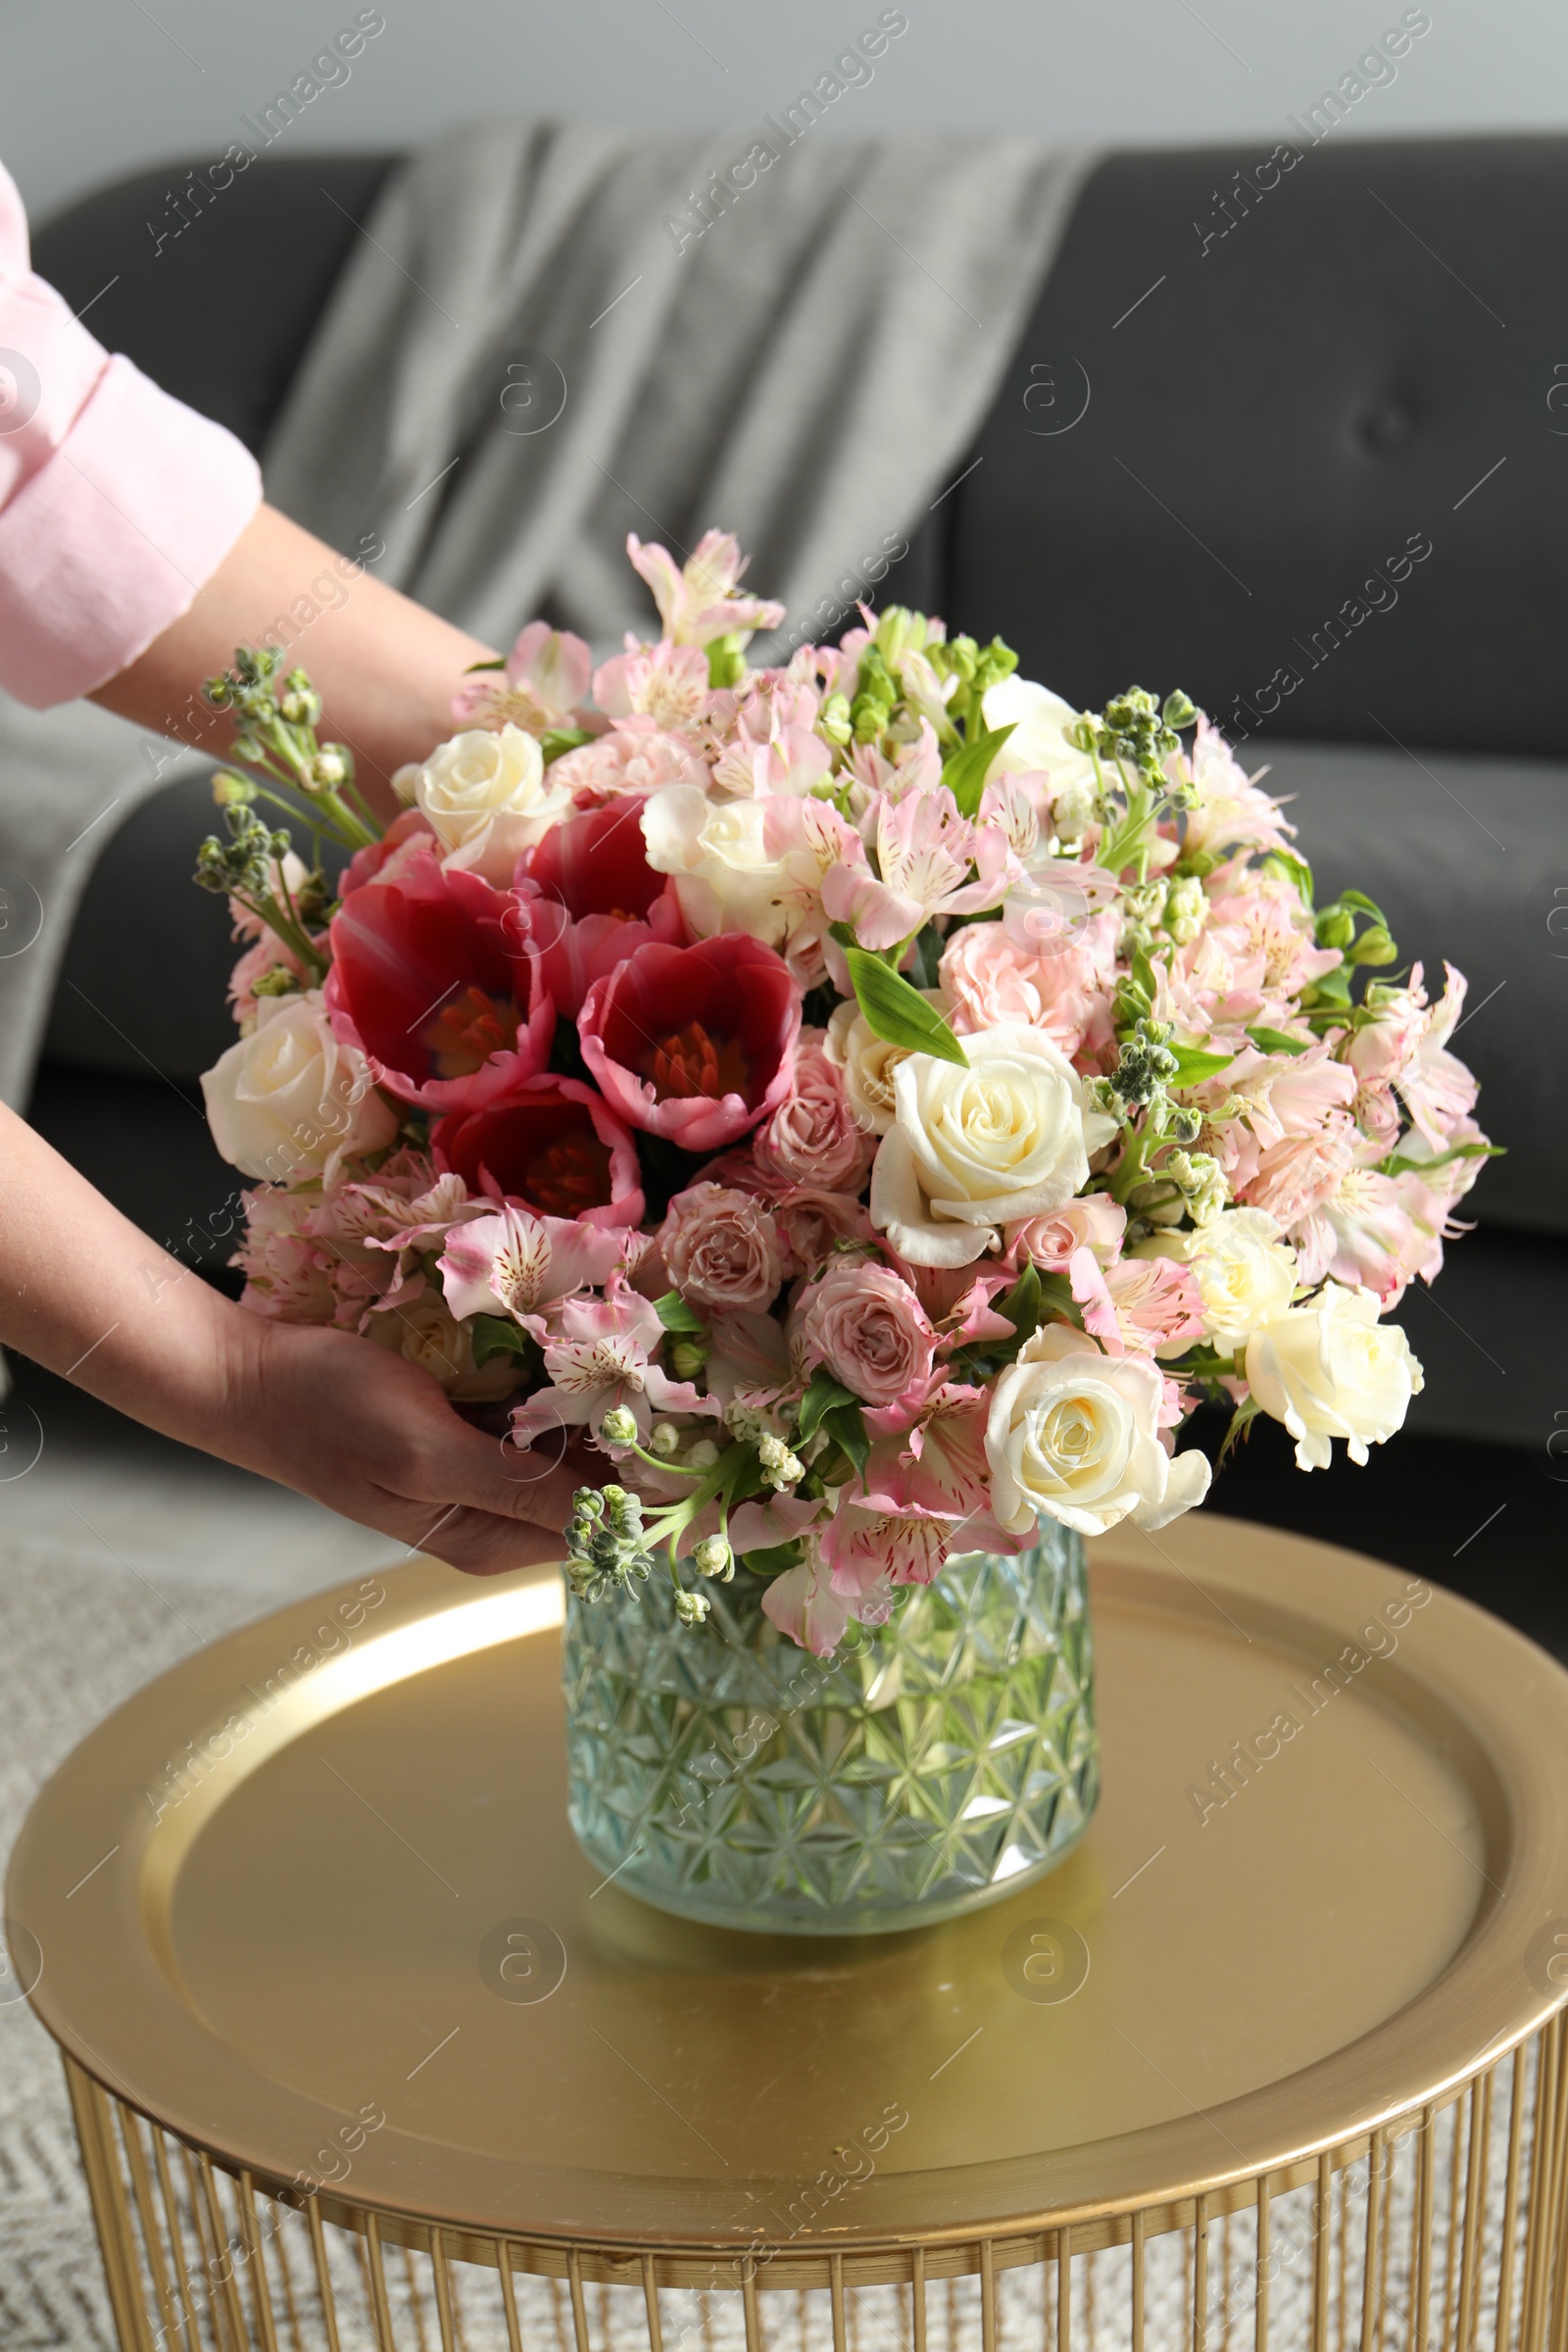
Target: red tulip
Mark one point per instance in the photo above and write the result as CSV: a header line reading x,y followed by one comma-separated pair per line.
x,y
587,899
554,1145
428,981
695,1044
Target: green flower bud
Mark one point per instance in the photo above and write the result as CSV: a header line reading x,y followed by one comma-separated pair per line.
x,y
714,1557
230,791
688,1355
665,1440
1336,927
691,1607
703,1455
1374,947
329,769
618,1427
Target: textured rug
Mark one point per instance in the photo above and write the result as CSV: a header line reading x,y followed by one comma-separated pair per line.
x,y
118,1553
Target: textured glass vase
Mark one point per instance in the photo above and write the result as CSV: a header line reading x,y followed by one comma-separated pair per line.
x,y
929,1766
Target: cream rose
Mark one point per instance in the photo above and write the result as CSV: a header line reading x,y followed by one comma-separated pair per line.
x,y
1246,1274
868,1061
429,1335
726,878
975,1148
489,797
1331,1369
1038,744
291,1100
1074,1435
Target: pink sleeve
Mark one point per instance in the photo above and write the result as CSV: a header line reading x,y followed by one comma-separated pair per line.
x,y
117,503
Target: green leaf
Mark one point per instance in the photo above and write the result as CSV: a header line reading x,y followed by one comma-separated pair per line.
x,y
964,773
495,1335
1193,1066
1275,1041
495,663
1241,1420
1287,865
846,1426
823,1393
1396,1165
557,740
773,1559
676,1315
1362,903
1024,1304
899,1012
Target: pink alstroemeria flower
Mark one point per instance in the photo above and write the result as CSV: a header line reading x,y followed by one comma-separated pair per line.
x,y
1146,1306
545,680
926,850
601,1356
702,601
651,687
526,1266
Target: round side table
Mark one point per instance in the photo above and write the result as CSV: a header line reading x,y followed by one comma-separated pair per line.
x,y
363,2053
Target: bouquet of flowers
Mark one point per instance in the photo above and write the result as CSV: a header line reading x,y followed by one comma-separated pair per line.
x,y
869,1101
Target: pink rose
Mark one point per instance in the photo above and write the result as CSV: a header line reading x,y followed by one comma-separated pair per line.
x,y
813,1137
992,979
627,761
722,1248
1094,1222
867,1325
695,1044
813,1222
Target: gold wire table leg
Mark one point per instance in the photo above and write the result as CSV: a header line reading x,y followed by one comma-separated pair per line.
x,y
1200,2274
752,2315
988,2296
509,2296
208,2245
1532,2294
1503,2323
1322,2221
1474,2197
917,2301
89,2107
1063,2289
835,2280
1450,2254
177,2239
381,2301
443,2291
1138,2281
256,2254
323,2275
1421,2215
142,2195
1556,2239
1371,2296
1265,2223
580,2311
222,2258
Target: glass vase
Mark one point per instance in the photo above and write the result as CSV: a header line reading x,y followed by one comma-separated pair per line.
x,y
929,1766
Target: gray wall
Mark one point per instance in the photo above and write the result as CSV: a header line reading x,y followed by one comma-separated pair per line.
x,y
89,88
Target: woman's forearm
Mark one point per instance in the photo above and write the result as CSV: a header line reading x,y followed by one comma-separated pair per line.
x,y
386,668
85,1294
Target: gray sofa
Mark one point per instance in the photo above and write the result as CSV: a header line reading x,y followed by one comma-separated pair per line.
x,y
1312,466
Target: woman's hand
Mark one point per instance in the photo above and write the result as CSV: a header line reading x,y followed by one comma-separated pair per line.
x,y
372,1436
342,1420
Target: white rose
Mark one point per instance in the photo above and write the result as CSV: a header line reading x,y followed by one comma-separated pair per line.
x,y
974,1149
1330,1369
1246,1274
430,1335
1038,744
489,797
868,1061
291,1100
725,878
1075,1435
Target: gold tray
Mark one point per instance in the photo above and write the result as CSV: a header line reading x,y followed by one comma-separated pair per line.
x,y
272,1895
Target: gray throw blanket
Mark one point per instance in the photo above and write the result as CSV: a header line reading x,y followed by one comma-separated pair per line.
x,y
552,334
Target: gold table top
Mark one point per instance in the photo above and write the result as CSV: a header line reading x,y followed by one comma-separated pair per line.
x,y
298,1925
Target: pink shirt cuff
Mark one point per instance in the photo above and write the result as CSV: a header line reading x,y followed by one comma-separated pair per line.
x,y
114,536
